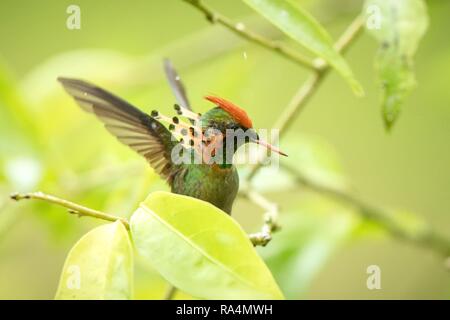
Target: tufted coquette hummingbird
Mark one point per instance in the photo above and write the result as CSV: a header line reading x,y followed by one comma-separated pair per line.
x,y
209,138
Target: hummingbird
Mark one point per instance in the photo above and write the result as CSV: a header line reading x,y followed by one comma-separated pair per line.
x,y
201,137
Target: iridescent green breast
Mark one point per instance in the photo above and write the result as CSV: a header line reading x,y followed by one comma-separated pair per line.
x,y
211,183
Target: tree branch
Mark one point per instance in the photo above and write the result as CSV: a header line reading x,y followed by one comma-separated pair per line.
x,y
270,225
73,208
306,91
298,101
428,238
241,30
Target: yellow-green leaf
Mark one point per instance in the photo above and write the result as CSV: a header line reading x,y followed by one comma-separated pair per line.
x,y
99,266
200,249
398,25
306,30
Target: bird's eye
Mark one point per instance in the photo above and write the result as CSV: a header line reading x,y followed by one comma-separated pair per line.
x,y
251,135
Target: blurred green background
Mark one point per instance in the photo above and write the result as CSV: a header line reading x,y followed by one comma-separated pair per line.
x,y
47,143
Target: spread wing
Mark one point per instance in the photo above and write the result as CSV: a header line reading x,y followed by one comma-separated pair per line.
x,y
131,126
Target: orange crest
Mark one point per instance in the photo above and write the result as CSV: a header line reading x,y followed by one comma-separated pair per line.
x,y
237,113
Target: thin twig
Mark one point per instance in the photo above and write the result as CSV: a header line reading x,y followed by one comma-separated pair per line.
x,y
304,93
350,34
270,225
240,29
72,207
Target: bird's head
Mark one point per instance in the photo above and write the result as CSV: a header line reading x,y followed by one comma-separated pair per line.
x,y
233,123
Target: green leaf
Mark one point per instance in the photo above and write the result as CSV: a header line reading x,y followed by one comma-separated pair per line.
x,y
200,249
398,25
303,28
99,266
